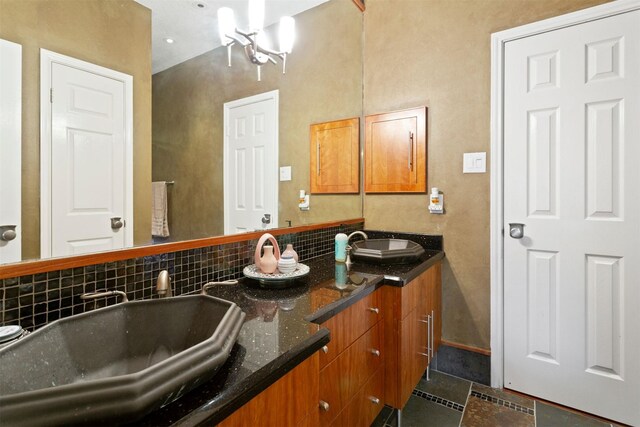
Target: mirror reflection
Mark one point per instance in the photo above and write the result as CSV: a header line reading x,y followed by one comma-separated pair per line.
x,y
176,135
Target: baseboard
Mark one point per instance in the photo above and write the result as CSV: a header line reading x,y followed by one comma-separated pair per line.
x,y
466,347
464,362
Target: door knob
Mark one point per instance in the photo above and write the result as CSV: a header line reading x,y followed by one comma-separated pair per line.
x,y
266,219
117,222
7,232
516,230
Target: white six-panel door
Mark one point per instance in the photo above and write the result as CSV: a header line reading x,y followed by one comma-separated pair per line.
x,y
572,176
89,177
251,163
10,150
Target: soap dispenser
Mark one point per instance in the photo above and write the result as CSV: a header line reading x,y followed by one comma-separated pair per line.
x,y
341,247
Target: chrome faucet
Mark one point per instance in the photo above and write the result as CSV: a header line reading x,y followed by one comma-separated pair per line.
x,y
362,233
349,248
206,286
104,293
163,285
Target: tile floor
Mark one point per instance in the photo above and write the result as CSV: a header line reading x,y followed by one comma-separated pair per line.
x,y
446,400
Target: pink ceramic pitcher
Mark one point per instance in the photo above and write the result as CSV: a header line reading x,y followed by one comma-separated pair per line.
x,y
266,263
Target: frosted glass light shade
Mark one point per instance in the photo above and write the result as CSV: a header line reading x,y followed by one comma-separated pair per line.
x,y
263,40
226,24
256,15
287,33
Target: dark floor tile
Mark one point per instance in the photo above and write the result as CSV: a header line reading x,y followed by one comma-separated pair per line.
x,y
382,417
419,412
504,395
465,364
481,413
445,386
551,416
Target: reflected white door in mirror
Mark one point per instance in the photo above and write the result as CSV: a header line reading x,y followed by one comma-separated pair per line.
x,y
86,155
251,163
10,151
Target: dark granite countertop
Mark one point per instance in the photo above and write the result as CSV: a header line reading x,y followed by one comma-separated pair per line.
x,y
281,330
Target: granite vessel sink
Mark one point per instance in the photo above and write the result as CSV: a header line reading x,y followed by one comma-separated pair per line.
x,y
115,364
386,251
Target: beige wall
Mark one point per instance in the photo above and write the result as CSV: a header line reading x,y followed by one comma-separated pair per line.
x,y
115,34
437,53
323,82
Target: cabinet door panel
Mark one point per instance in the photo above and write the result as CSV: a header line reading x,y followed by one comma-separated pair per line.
x,y
335,156
287,402
413,360
396,152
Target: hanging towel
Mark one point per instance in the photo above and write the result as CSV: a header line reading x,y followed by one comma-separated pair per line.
x,y
159,220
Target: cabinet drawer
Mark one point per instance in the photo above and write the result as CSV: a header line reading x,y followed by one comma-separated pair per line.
x,y
366,405
350,324
341,379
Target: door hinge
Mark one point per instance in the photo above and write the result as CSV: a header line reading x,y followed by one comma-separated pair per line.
x,y
51,95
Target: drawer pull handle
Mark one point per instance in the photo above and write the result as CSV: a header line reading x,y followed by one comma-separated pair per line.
x,y
325,349
375,352
324,405
374,309
374,400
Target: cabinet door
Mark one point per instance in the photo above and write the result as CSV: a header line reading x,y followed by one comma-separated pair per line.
x,y
396,152
413,356
335,155
287,402
435,305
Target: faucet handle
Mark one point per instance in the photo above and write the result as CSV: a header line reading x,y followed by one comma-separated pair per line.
x,y
348,261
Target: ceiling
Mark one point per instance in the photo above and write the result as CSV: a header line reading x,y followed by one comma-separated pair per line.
x,y
193,26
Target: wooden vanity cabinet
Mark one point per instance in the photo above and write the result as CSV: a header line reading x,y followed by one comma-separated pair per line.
x,y
352,365
291,401
412,333
335,156
395,152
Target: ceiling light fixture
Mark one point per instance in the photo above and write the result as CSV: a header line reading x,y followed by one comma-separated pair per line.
x,y
254,40
168,40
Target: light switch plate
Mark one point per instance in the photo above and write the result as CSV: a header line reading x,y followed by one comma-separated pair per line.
x,y
285,173
474,163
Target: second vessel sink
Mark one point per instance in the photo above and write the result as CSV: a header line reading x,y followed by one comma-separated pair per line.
x,y
117,363
386,251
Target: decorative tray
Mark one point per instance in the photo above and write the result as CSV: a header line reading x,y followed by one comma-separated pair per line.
x,y
277,279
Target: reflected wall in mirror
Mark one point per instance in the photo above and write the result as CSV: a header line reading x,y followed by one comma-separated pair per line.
x,y
323,82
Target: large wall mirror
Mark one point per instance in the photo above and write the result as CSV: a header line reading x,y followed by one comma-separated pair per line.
x,y
179,95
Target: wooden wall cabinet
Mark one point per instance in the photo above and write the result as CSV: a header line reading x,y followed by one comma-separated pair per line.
x,y
335,156
395,152
412,333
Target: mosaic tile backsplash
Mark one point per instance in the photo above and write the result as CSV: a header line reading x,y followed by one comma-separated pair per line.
x,y
34,300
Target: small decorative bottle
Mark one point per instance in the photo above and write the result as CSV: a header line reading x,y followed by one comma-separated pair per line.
x,y
290,252
268,261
